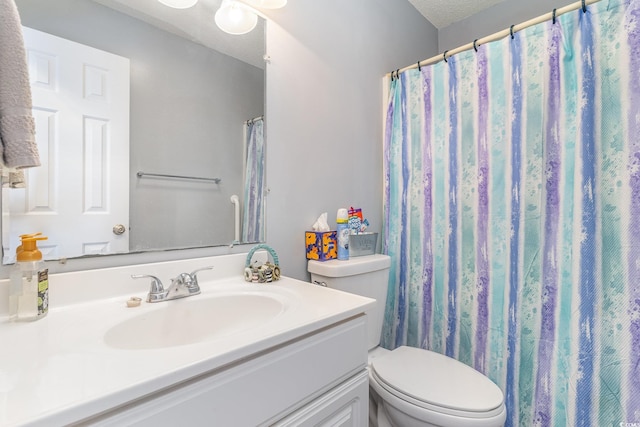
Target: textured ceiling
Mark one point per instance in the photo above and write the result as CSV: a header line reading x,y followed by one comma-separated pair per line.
x,y
444,12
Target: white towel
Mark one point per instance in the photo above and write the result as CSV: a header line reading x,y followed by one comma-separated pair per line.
x,y
18,147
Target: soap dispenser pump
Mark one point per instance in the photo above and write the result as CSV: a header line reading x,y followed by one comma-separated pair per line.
x,y
29,282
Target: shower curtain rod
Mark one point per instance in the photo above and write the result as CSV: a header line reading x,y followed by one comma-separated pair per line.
x,y
499,35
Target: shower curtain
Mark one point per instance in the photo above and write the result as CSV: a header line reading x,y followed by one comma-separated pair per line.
x,y
512,215
253,217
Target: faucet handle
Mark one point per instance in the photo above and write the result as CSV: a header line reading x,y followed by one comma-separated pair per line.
x,y
156,291
183,279
194,276
184,284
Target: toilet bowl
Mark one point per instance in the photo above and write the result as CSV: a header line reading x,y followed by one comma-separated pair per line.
x,y
411,387
415,387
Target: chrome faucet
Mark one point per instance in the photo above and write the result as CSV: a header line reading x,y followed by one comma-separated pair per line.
x,y
184,285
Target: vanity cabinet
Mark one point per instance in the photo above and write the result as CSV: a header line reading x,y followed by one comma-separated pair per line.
x,y
318,379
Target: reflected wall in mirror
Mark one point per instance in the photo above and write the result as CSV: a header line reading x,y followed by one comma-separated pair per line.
x,y
189,106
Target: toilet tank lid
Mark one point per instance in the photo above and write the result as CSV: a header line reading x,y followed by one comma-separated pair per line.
x,y
350,267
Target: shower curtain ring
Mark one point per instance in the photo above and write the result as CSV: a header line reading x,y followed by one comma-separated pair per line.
x,y
553,17
584,6
474,45
444,55
419,67
511,31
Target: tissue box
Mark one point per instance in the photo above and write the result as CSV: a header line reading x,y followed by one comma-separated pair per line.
x,y
321,245
362,244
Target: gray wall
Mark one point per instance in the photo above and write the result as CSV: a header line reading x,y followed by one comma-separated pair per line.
x,y
188,105
325,110
324,103
324,118
494,19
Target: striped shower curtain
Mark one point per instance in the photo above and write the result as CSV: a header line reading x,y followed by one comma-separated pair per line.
x,y
512,215
253,217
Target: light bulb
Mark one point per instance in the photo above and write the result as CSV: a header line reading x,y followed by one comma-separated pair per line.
x,y
179,4
234,18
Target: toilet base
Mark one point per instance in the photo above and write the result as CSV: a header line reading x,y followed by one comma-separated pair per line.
x,y
381,414
391,417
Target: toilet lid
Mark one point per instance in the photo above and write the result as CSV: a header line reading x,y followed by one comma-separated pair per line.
x,y
437,380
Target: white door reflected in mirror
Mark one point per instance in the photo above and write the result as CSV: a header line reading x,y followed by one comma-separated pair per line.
x,y
81,110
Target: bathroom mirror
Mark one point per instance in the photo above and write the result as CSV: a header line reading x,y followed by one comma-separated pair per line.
x,y
192,91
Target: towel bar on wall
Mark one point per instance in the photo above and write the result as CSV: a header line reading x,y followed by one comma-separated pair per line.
x,y
142,174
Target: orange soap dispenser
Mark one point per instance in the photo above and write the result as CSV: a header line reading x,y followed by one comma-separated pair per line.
x,y
29,287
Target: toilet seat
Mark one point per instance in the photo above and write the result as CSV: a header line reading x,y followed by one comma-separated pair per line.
x,y
437,383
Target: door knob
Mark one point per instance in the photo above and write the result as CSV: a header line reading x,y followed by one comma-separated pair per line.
x,y
119,229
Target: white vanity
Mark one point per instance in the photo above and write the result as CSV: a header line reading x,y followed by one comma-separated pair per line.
x,y
286,353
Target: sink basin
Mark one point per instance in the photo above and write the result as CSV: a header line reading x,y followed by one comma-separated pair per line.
x,y
193,320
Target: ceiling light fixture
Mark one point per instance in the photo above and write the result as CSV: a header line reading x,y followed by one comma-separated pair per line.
x,y
266,4
179,4
239,17
236,18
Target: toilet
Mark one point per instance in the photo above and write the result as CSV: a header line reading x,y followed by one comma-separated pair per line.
x,y
411,387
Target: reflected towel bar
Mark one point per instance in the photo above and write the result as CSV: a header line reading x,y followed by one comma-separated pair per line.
x,y
141,174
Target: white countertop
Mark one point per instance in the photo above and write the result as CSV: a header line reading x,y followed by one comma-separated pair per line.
x,y
59,369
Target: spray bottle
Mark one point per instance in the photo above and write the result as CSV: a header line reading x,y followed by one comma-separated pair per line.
x,y
342,232
29,282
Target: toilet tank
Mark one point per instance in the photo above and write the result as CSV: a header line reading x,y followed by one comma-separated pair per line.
x,y
364,275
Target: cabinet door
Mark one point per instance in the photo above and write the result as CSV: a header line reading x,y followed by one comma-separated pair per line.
x,y
346,405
